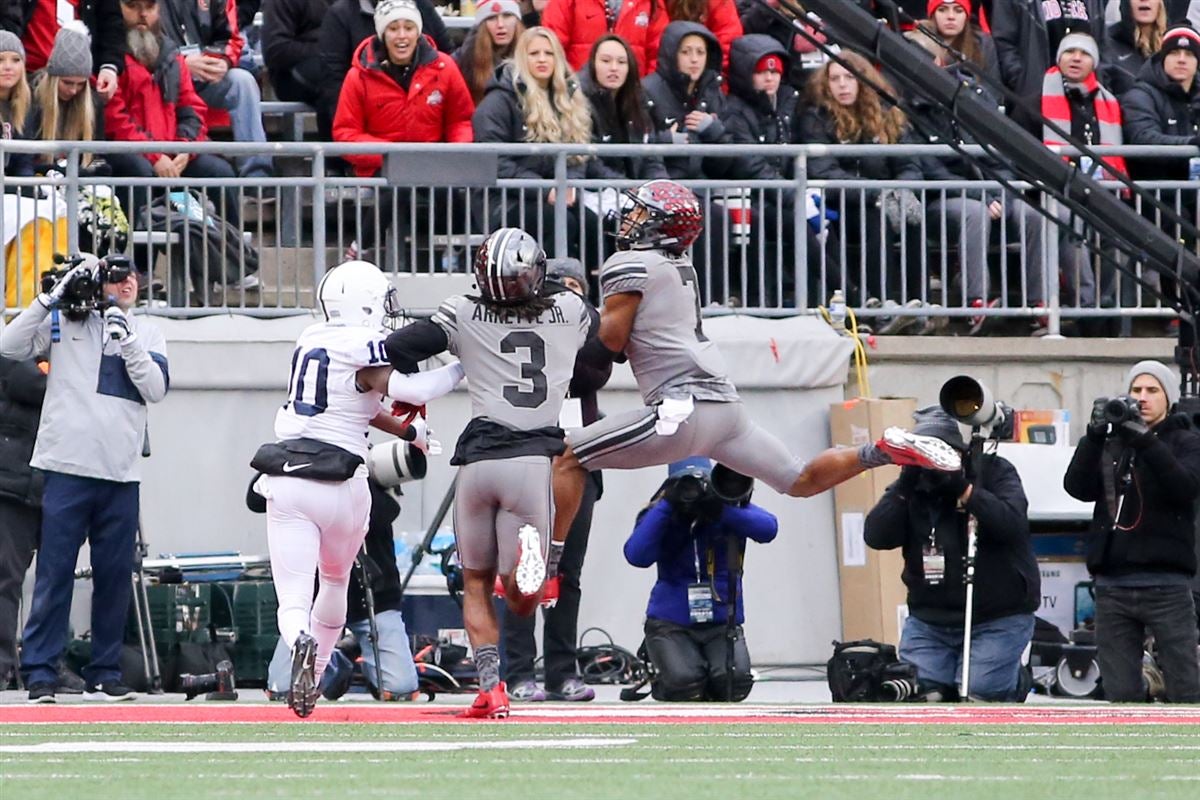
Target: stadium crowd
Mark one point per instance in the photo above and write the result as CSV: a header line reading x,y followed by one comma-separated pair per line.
x,y
638,71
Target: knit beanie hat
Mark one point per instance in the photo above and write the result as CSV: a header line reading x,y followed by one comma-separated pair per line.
x,y
934,421
494,8
11,43
1078,41
388,11
932,6
567,268
1180,36
1160,372
71,56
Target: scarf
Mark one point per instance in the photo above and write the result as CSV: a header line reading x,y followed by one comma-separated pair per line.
x,y
1057,109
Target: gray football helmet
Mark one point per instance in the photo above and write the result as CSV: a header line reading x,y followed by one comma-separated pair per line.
x,y
510,267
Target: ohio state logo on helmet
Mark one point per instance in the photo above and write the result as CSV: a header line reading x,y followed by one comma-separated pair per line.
x,y
510,266
664,215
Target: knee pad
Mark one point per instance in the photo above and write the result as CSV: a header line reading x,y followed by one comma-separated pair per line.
x,y
667,691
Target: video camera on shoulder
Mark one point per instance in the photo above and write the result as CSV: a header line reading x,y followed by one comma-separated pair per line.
x,y
85,291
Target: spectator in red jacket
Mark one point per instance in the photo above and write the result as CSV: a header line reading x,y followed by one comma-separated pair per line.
x,y
719,16
400,89
155,101
579,23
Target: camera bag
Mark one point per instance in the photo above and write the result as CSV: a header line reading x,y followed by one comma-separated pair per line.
x,y
865,671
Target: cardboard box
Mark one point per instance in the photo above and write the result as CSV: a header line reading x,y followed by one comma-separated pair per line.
x,y
872,593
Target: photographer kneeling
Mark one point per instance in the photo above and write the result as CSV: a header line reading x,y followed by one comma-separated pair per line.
x,y
926,514
690,531
1140,465
106,365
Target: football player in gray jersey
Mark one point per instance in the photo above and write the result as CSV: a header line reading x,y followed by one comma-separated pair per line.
x,y
651,315
518,347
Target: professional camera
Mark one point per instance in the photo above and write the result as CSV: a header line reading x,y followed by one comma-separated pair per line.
x,y
1122,409
690,493
219,685
970,402
85,292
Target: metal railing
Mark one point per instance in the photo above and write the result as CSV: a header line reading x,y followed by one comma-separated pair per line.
x,y
770,247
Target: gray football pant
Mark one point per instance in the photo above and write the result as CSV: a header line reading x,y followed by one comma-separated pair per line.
x,y
720,431
492,501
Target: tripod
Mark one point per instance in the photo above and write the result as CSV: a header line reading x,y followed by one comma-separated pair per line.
x,y
141,608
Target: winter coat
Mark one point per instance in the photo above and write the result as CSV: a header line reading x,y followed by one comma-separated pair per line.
x,y
918,505
1160,503
158,106
291,31
817,127
579,23
1023,48
464,56
498,118
22,389
1122,60
1158,111
346,25
757,17
608,128
675,545
722,18
375,108
209,24
668,101
751,118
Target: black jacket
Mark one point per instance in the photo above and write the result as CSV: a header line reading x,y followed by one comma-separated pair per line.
x,y
211,26
1158,111
1160,503
751,118
1122,60
22,389
1007,580
817,127
668,101
343,29
608,128
291,30
758,17
103,20
1023,49
498,118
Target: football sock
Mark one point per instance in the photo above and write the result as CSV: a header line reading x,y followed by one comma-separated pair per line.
x,y
871,456
487,661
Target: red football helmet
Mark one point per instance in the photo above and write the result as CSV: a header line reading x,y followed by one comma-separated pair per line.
x,y
660,215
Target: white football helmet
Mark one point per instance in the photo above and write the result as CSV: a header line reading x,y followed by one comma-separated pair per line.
x,y
357,293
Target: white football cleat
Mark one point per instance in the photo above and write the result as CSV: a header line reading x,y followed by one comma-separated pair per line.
x,y
531,566
914,449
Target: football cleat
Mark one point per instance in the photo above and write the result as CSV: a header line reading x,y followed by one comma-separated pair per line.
x,y
302,696
549,593
491,704
531,566
912,449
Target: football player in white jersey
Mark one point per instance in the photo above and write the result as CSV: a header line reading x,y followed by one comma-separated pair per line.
x,y
651,315
315,478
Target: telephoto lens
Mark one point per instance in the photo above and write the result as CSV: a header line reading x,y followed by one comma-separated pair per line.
x,y
1122,409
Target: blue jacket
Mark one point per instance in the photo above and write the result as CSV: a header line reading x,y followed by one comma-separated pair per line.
x,y
659,537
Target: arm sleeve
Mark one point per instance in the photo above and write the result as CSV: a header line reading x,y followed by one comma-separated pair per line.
x,y
644,545
998,503
108,37
1006,22
412,344
226,33
145,360
28,335
1082,479
460,108
726,25
421,387
1176,469
348,123
25,383
624,276
753,522
886,525
282,47
433,26
120,126
190,110
1142,125
490,123
557,17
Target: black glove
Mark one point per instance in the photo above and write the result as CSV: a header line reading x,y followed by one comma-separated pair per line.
x,y
1098,425
1135,433
956,483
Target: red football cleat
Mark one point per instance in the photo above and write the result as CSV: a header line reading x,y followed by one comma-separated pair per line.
x,y
549,593
912,449
489,705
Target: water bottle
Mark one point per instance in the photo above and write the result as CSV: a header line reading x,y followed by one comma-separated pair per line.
x,y
837,311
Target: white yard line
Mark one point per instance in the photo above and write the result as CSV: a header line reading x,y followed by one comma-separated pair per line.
x,y
307,747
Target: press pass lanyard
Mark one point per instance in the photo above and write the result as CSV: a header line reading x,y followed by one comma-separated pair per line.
x,y
933,559
700,593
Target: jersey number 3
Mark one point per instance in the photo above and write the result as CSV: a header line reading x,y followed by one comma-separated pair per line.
x,y
531,369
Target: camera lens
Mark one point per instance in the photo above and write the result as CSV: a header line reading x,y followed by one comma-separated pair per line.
x,y
1121,409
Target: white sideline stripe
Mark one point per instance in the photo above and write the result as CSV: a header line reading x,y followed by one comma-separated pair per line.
x,y
306,747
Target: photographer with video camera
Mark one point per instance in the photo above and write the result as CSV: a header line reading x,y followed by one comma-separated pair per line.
x,y
107,364
695,529
927,514
1140,464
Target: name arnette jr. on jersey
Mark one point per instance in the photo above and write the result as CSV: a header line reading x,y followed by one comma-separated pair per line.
x,y
551,316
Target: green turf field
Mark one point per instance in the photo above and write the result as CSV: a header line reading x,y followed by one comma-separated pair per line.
x,y
858,762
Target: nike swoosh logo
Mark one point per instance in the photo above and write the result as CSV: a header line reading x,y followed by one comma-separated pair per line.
x,y
290,467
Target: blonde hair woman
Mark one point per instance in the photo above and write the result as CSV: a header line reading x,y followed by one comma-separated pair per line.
x,y
1130,42
63,107
534,97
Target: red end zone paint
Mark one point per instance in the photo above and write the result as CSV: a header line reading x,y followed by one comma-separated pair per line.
x,y
607,714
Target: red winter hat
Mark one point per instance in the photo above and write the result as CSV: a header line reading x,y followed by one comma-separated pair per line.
x,y
771,62
933,6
